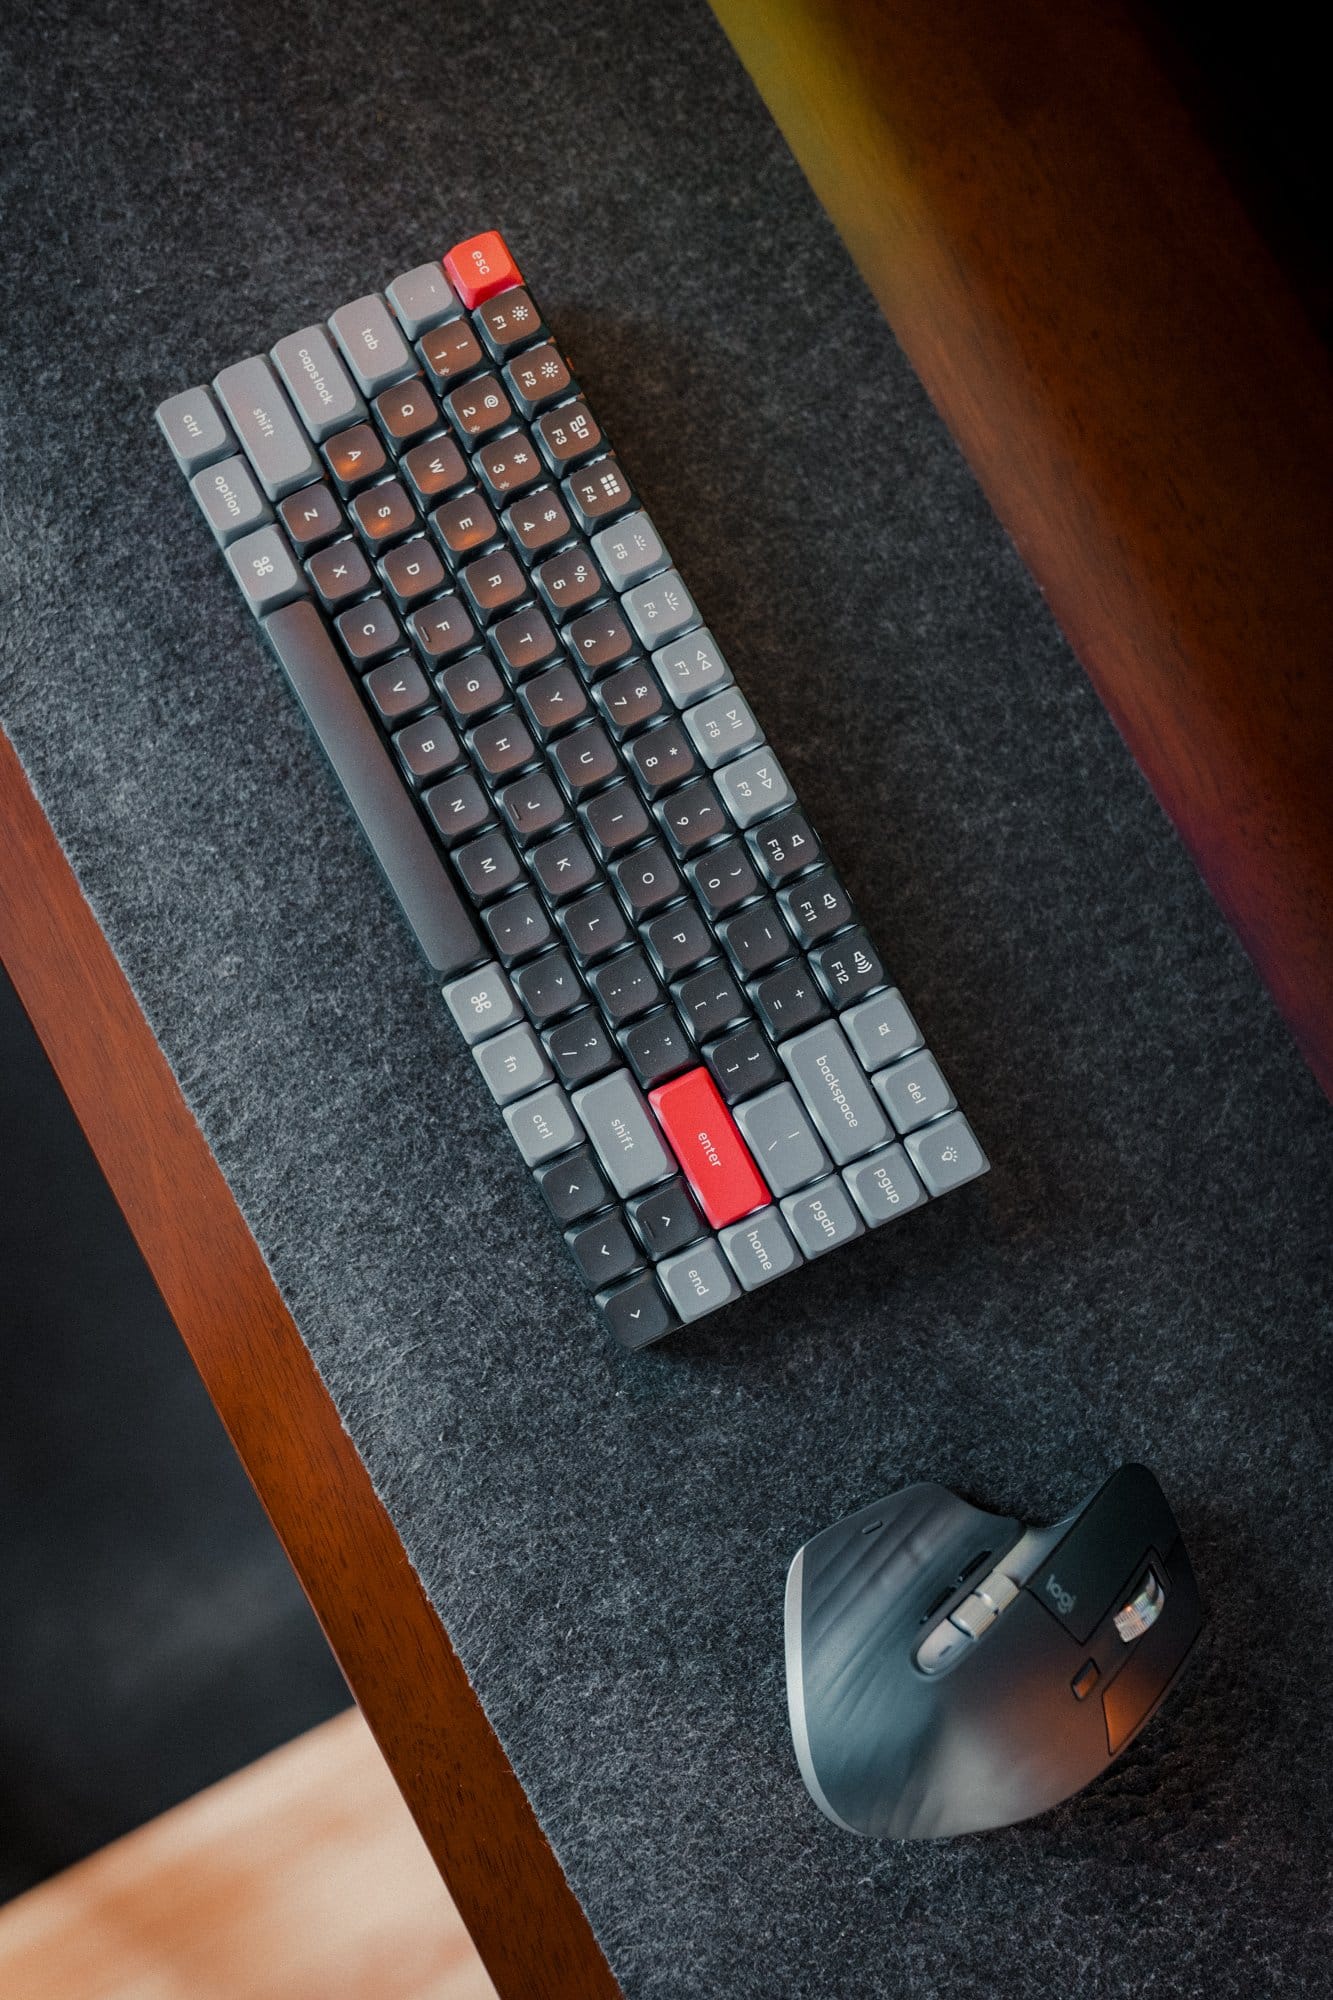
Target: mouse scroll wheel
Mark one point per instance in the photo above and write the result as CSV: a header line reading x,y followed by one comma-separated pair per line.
x,y
1143,1609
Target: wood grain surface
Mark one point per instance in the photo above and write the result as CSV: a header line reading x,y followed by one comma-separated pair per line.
x,y
529,1928
301,1877
1135,385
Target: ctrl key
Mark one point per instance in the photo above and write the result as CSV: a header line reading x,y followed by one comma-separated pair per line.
x,y
543,1124
636,1312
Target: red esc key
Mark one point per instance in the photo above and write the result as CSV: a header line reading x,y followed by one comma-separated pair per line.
x,y
713,1156
481,267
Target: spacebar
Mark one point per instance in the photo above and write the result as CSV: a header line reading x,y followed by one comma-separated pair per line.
x,y
413,864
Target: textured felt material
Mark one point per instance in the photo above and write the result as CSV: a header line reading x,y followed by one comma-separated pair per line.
x,y
1142,1275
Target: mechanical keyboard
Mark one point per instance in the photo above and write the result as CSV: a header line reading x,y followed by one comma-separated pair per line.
x,y
693,1041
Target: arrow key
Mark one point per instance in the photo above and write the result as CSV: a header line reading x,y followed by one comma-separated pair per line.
x,y
573,1185
603,1249
665,1219
637,1313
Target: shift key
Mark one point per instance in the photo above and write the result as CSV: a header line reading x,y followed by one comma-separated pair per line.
x,y
621,1127
266,425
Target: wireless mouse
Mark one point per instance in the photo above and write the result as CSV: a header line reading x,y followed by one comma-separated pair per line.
x,y
950,1670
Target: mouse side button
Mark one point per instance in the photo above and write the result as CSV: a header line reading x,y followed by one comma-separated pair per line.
x,y
1157,1657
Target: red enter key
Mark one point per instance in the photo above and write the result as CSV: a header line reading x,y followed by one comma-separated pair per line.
x,y
481,267
712,1153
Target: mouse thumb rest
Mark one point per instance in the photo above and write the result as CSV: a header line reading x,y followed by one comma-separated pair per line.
x,y
949,1672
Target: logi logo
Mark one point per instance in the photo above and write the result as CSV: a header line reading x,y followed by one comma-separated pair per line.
x,y
1062,1599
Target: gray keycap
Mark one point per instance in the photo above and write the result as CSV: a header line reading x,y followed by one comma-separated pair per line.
x,y
543,1125
513,1063
266,569
193,427
692,667
914,1091
698,1280
627,1137
754,786
264,421
881,1029
482,1003
230,501
660,609
318,384
781,1138
946,1154
836,1092
884,1186
422,299
629,550
374,349
760,1248
822,1217
723,727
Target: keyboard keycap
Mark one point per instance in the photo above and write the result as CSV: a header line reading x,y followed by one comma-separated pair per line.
x,y
782,1139
533,805
760,1248
660,609
324,394
412,571
488,865
339,574
463,524
584,760
581,1049
458,807
371,344
537,378
406,412
884,1186
538,523
508,465
822,1217
478,408
192,425
816,906
493,583
266,425
657,1047
629,550
480,267
624,1133
709,1001
523,642
354,457
699,1280
722,727
310,516
427,749
615,820
882,1029
678,939
629,699
264,566
573,1186
509,321
788,999
471,688
755,939
543,1125
753,787
597,493
512,1064
398,690
230,501
434,468
432,905
603,1250
383,513
848,968
554,701
568,581
501,745
369,632
692,667
450,353
661,757
837,1092
914,1091
946,1154
562,866
743,1063
636,1312
784,846
423,298
442,629
665,1219
599,640
713,1156
645,879
518,926
693,816
593,926
624,987
567,434
482,1003
548,986
723,878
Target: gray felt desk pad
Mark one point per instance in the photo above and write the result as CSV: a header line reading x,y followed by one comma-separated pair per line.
x,y
1143,1274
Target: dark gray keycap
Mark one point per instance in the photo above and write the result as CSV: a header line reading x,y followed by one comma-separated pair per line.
x,y
629,551
318,384
423,299
884,1186
543,1124
374,348
881,1029
782,1139
822,1217
760,1248
266,569
946,1154
698,1280
482,1003
192,425
723,727
229,500
628,1140
836,1090
692,667
364,765
660,609
914,1091
513,1063
754,786
266,425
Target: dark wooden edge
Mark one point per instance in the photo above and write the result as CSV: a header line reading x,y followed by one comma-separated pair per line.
x,y
1135,384
530,1930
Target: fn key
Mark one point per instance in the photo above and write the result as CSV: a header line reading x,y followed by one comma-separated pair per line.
x,y
637,1313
